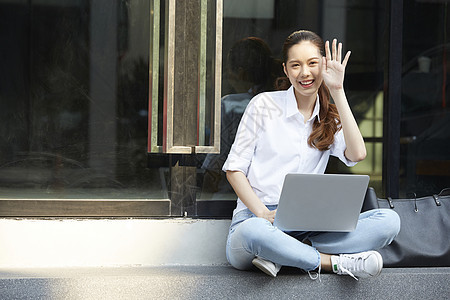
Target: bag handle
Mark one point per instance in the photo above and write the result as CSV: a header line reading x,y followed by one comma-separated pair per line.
x,y
445,192
416,209
391,203
436,199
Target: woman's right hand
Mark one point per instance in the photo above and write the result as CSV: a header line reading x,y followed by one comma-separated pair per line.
x,y
244,191
269,215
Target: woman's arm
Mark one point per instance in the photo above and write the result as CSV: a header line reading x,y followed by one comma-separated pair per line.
x,y
356,149
245,192
333,75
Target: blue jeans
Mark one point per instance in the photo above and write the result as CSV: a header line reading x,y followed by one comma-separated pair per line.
x,y
250,236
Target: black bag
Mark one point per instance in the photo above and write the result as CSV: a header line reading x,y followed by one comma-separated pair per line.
x,y
424,238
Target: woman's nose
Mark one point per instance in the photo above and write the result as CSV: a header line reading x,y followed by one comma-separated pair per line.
x,y
305,71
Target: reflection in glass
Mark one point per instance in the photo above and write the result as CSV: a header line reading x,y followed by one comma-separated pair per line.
x,y
74,110
425,115
75,85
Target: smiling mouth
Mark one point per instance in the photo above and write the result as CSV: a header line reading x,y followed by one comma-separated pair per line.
x,y
306,83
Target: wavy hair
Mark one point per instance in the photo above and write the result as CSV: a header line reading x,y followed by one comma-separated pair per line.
x,y
323,131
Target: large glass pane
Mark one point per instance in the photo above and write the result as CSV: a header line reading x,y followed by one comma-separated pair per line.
x,y
75,91
425,122
74,96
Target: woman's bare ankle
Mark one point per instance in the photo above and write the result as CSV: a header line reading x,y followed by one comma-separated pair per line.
x,y
325,262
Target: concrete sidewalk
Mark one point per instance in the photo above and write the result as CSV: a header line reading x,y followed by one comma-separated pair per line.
x,y
217,282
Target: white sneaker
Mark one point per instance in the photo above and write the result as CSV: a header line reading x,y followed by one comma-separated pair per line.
x,y
266,266
363,265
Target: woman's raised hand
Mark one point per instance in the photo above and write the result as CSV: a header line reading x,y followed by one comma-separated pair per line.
x,y
333,70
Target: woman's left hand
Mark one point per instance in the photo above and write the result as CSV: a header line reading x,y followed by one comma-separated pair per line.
x,y
333,70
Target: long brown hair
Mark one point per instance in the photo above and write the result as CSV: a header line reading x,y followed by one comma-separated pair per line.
x,y
322,135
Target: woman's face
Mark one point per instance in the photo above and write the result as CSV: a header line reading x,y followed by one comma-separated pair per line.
x,y
304,68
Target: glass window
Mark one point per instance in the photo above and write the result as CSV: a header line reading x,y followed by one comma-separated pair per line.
x,y
425,116
74,96
75,91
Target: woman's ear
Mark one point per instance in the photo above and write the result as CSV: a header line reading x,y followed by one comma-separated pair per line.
x,y
285,70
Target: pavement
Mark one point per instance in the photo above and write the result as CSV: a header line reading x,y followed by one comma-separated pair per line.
x,y
216,282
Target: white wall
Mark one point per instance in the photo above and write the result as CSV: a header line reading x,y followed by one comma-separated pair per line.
x,y
127,242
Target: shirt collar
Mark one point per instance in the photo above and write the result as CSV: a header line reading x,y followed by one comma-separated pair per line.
x,y
291,105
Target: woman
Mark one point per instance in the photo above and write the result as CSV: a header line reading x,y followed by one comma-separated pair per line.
x,y
295,131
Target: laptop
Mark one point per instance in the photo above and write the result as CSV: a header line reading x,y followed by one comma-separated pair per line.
x,y
321,202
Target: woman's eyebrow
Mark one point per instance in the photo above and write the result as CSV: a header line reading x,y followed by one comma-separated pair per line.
x,y
298,60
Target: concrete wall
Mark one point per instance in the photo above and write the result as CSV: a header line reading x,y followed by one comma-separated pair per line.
x,y
111,242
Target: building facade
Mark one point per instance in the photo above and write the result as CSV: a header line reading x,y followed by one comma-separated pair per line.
x,y
127,108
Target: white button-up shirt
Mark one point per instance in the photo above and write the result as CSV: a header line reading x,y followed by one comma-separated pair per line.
x,y
272,141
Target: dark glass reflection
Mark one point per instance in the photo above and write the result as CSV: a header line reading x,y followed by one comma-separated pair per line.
x,y
425,123
74,94
74,89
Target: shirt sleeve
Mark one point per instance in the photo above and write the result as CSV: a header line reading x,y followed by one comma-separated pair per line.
x,y
244,145
338,149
